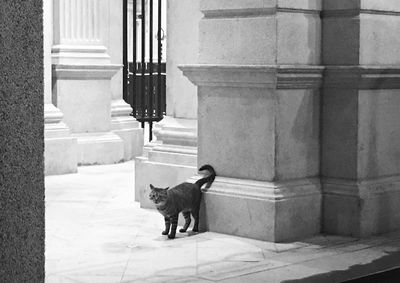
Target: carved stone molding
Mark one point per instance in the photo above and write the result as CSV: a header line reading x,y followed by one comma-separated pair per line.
x,y
271,191
85,72
349,13
362,77
255,76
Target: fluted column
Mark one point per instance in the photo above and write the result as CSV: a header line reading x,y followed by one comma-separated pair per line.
x,y
80,32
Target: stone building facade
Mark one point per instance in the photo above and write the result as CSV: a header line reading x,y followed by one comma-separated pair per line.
x,y
296,110
295,103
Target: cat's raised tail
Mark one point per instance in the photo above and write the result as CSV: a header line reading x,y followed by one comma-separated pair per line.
x,y
209,179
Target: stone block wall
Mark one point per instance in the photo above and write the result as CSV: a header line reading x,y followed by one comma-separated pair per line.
x,y
21,142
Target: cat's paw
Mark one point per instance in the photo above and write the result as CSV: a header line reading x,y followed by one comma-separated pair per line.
x,y
171,236
182,230
164,232
195,229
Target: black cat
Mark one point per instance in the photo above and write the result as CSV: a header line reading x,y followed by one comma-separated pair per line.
x,y
183,198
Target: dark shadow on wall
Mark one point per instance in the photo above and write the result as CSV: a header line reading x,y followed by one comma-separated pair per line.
x,y
371,272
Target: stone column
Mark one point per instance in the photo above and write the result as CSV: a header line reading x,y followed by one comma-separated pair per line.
x,y
60,146
258,117
172,157
82,72
361,129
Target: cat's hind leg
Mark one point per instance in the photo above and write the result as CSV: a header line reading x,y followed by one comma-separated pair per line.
x,y
174,224
167,225
186,214
196,213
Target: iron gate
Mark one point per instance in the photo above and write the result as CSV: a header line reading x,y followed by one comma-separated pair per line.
x,y
144,84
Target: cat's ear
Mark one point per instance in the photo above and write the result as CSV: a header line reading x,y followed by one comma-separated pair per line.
x,y
152,187
166,188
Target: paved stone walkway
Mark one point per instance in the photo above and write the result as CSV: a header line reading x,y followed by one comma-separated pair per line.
x,y
95,232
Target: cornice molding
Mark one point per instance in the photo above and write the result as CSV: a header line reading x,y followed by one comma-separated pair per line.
x,y
254,12
255,76
356,12
299,77
362,77
84,72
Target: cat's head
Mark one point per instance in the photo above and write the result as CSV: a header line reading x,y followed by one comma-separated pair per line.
x,y
158,195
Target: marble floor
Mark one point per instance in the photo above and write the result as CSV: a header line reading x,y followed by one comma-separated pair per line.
x,y
96,232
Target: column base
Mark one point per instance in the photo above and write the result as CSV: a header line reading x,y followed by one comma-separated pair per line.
x,y
60,154
60,151
268,211
168,161
99,148
127,128
361,209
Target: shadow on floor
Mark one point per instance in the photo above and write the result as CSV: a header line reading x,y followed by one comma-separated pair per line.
x,y
360,273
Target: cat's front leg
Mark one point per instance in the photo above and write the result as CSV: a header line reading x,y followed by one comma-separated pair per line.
x,y
167,225
174,222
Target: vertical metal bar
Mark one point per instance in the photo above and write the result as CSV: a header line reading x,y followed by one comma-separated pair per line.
x,y
125,49
134,42
151,91
159,54
143,61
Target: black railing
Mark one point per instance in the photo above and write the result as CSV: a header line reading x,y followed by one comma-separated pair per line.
x,y
154,98
144,85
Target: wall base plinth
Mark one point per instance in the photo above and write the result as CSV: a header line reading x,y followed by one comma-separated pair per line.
x,y
361,209
268,211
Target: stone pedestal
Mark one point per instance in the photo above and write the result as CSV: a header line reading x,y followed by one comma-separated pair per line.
x,y
84,95
127,128
172,157
360,160
83,89
258,117
60,146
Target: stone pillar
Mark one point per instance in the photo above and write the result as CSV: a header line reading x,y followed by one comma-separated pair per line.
x,y
122,123
258,117
22,205
82,72
172,158
361,130
60,146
